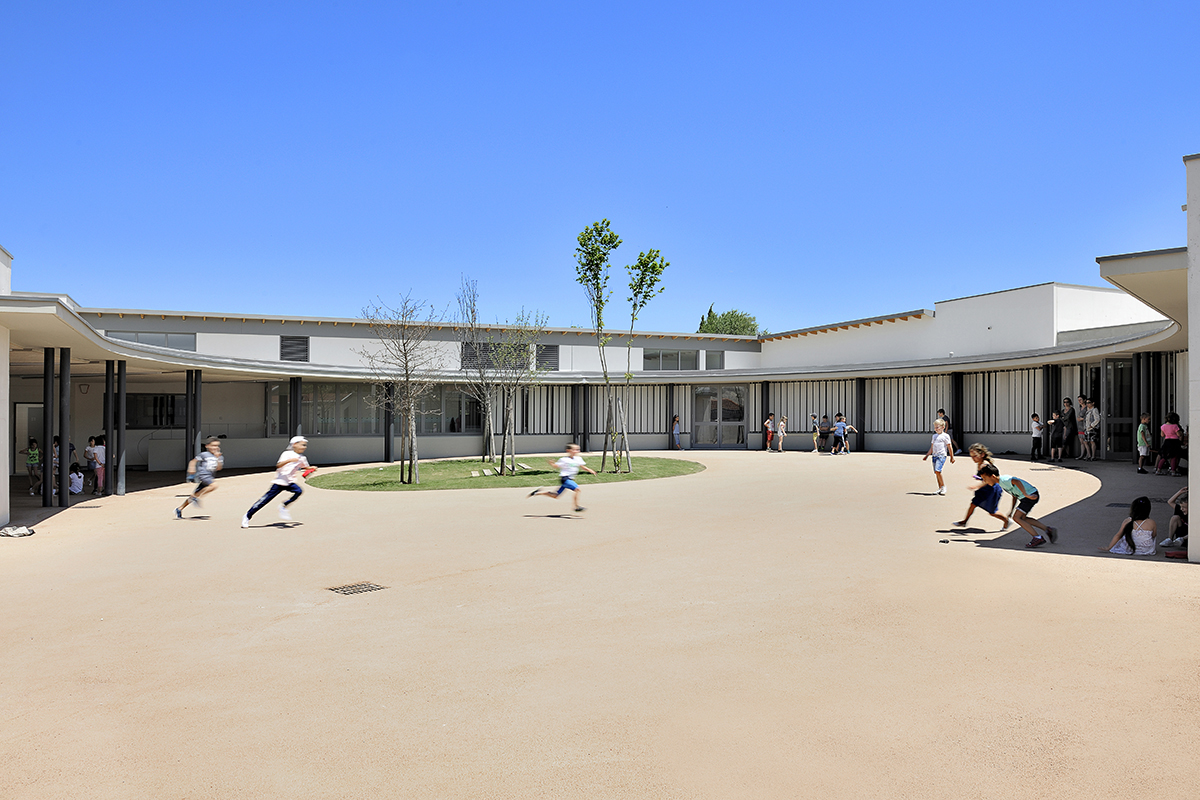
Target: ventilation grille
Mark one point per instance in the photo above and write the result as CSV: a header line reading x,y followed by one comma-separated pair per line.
x,y
293,348
357,588
547,357
479,354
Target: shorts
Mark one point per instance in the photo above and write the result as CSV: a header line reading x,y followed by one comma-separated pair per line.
x,y
770,436
202,483
938,463
1026,504
987,498
1056,442
567,484
1143,450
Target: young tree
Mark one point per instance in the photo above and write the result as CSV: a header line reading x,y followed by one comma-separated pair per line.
x,y
478,355
730,323
596,244
645,277
406,359
516,369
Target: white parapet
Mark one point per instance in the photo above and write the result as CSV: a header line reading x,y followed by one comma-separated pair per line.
x,y
1192,164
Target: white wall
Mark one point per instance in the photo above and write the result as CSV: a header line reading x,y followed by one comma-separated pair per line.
x,y
6,465
742,359
1193,244
910,339
1001,322
1080,308
259,347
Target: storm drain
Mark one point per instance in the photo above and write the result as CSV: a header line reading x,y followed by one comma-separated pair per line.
x,y
85,506
1126,505
357,588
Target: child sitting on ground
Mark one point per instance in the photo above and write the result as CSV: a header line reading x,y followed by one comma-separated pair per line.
x,y
1177,533
1136,535
1025,497
76,479
986,497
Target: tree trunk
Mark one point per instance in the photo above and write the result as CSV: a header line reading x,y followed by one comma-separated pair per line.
x,y
414,470
489,433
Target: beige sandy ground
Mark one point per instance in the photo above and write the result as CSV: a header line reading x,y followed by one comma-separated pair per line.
x,y
778,626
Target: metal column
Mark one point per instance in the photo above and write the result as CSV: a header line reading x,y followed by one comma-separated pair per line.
x,y
296,387
117,458
47,427
765,411
956,408
64,427
197,408
389,422
109,406
583,432
189,428
860,408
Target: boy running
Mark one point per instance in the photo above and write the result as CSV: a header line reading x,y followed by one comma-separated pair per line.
x,y
1024,498
204,467
568,467
291,461
939,448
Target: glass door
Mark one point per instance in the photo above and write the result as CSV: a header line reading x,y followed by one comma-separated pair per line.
x,y
719,416
1118,432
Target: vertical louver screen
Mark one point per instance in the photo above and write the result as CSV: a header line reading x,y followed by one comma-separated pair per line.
x,y
293,348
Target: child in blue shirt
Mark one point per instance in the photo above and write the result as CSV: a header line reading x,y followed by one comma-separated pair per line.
x,y
1025,497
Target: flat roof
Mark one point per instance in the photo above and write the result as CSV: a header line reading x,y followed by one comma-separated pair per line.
x,y
1141,253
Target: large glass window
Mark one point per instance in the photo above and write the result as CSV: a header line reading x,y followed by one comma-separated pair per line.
x,y
714,359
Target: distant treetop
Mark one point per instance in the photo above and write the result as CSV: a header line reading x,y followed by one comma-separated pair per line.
x,y
732,323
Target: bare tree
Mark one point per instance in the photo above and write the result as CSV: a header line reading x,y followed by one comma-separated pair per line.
x,y
516,369
478,350
408,360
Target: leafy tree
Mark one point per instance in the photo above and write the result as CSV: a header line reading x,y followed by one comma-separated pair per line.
x,y
645,277
516,370
596,243
730,323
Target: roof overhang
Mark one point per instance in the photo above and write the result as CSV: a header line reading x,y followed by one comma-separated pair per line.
x,y
1159,278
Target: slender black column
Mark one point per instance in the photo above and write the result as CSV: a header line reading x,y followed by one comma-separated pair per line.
x,y
296,387
189,425
766,409
575,401
109,380
389,422
118,454
1048,407
47,445
860,408
956,408
671,412
64,427
587,417
197,412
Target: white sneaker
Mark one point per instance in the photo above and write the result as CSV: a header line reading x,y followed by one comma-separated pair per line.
x,y
284,513
942,490
245,522
1167,543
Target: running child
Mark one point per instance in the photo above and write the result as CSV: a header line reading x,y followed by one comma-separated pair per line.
x,y
568,467
291,462
1024,498
203,468
939,448
844,437
985,497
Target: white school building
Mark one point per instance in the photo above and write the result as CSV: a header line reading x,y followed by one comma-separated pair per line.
x,y
157,380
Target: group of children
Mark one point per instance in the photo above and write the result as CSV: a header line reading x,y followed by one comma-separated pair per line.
x,y
289,467
94,454
990,488
775,432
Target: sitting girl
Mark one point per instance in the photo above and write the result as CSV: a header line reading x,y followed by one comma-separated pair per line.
x,y
1137,533
76,479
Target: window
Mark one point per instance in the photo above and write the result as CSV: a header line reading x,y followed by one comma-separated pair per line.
x,y
547,357
670,359
155,411
175,341
714,359
293,348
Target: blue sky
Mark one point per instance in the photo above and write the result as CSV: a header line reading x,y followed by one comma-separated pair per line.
x,y
804,163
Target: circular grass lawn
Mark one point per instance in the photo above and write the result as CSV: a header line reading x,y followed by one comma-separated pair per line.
x,y
457,475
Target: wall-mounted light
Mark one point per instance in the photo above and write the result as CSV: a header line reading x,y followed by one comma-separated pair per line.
x,y
83,388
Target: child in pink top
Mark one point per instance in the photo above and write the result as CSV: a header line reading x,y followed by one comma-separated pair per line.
x,y
1172,446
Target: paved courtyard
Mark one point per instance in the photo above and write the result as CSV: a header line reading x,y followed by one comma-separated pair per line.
x,y
778,626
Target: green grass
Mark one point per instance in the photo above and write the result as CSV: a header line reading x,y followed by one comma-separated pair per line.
x,y
457,475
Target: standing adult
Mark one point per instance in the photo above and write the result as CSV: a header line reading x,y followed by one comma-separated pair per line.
x,y
1091,430
1070,426
1081,427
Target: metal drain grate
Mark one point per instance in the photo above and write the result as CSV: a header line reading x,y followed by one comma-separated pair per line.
x,y
1126,505
357,588
85,506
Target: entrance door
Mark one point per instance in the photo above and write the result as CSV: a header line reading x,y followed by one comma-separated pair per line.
x,y
719,416
27,422
1119,429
